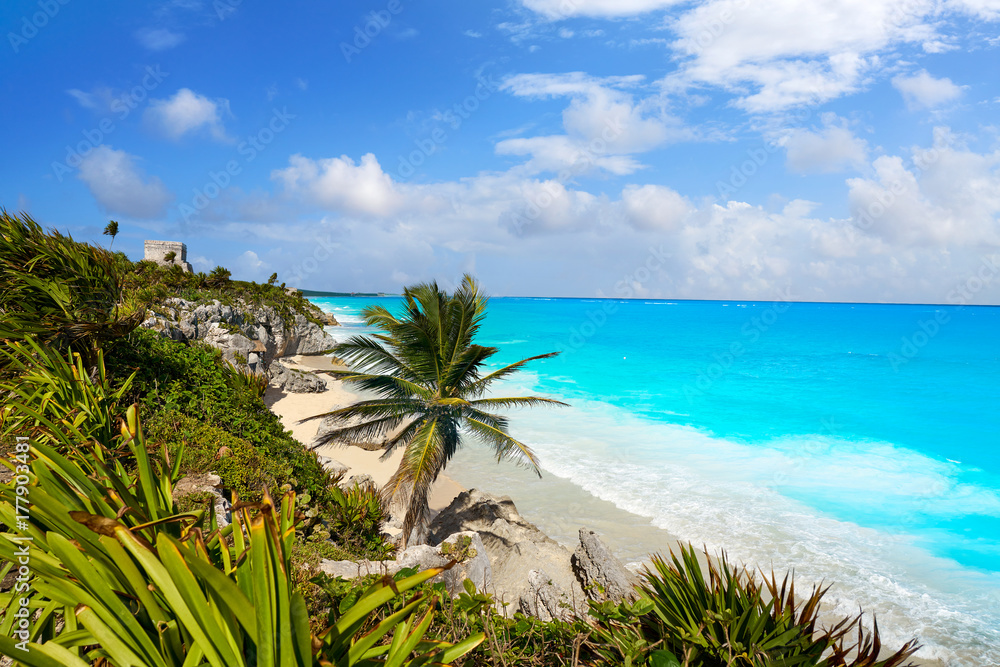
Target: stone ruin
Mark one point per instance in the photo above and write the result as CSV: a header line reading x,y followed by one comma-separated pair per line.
x,y
156,251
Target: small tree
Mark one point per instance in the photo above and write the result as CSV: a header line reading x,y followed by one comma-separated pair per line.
x,y
111,230
219,276
170,256
273,279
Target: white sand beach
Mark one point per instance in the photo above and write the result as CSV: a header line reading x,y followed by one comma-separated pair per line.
x,y
292,408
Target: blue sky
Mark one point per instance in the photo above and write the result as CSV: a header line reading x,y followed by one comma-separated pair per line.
x,y
728,149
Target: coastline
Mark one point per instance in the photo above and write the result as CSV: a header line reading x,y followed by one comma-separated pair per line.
x,y
291,408
617,526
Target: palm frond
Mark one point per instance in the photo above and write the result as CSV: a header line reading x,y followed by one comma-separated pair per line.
x,y
505,446
479,386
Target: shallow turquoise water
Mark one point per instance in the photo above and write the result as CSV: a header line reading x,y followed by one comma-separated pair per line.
x,y
854,442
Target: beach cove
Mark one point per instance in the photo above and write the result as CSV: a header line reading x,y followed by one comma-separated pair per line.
x,y
776,494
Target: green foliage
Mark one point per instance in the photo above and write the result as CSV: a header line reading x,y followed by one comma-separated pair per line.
x,y
357,520
728,617
192,397
203,446
520,641
170,256
111,230
428,376
61,293
119,575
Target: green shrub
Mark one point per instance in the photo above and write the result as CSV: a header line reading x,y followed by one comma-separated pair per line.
x,y
209,448
728,616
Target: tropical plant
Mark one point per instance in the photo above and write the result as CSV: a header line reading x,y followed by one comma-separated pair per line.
x,y
62,293
119,576
111,229
728,617
219,276
429,377
170,257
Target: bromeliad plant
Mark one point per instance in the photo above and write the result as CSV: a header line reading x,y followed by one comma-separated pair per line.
x,y
730,618
116,575
429,377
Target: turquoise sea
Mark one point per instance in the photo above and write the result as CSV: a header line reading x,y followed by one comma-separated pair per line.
x,y
856,443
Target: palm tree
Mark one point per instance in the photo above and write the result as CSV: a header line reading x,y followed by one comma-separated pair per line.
x,y
428,376
111,230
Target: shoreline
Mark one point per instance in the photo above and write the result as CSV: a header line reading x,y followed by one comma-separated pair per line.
x,y
290,408
615,525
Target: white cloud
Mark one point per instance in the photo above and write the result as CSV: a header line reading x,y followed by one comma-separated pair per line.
x,y
472,33
774,54
828,150
158,39
654,207
923,91
603,123
187,112
935,225
560,9
338,184
943,196
119,187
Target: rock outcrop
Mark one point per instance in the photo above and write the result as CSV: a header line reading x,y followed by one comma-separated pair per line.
x,y
205,484
601,574
295,381
516,547
239,331
466,548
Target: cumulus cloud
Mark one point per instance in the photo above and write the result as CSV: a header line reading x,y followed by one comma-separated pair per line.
x,y
187,112
827,150
158,39
338,184
654,207
942,196
120,187
923,91
559,9
604,124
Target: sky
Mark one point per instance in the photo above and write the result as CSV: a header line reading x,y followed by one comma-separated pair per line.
x,y
833,150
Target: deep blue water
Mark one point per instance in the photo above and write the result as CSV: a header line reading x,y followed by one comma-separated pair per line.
x,y
854,442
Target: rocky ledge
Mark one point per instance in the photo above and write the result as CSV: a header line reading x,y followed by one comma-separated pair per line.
x,y
248,336
509,557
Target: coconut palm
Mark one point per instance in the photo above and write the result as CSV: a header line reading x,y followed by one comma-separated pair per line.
x,y
111,230
429,379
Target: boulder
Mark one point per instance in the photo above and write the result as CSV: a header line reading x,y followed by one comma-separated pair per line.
x,y
466,548
515,547
332,465
295,381
544,599
602,575
357,480
237,329
202,483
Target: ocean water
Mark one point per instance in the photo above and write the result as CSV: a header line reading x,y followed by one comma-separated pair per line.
x,y
857,444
